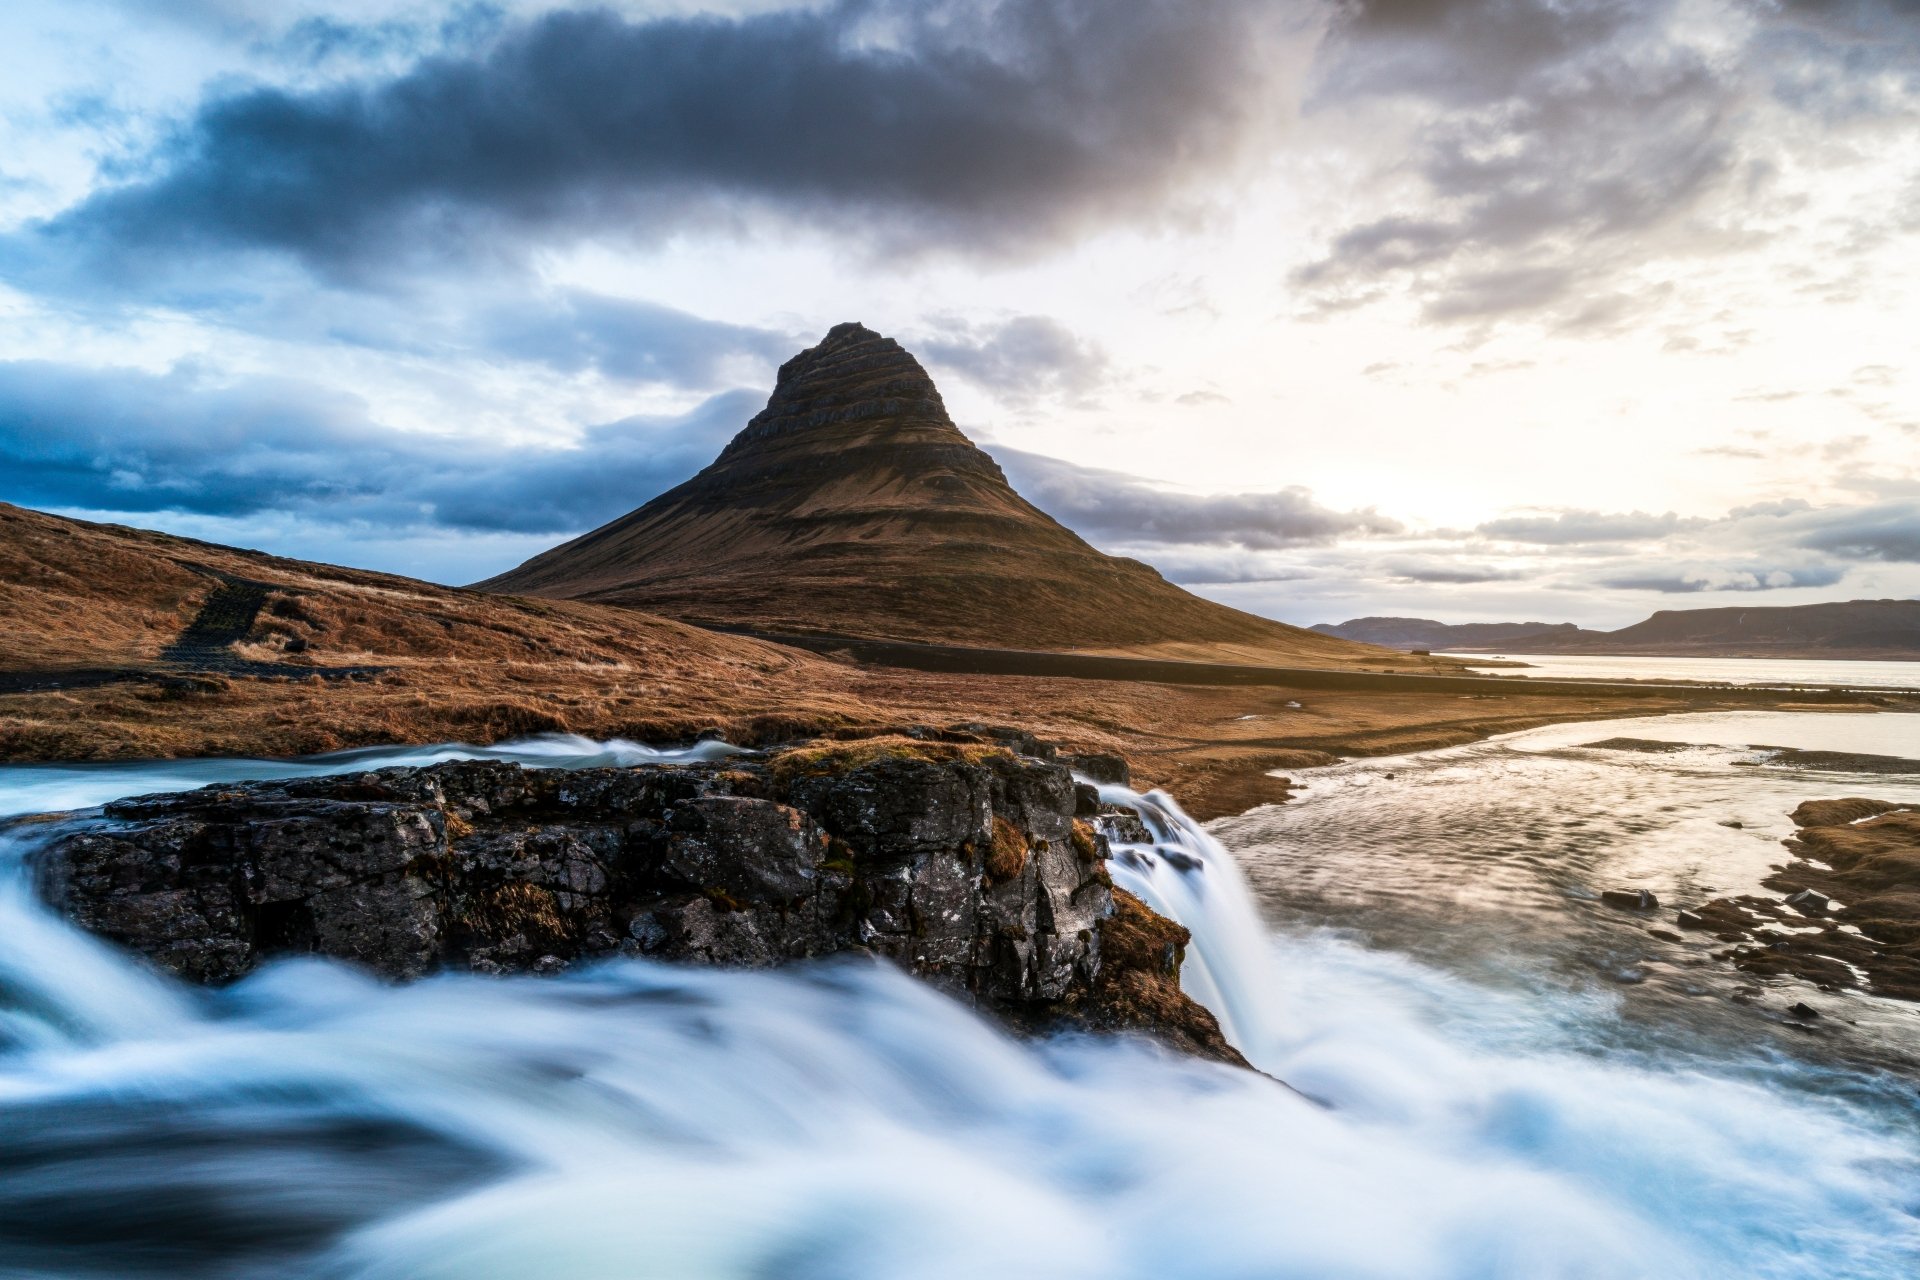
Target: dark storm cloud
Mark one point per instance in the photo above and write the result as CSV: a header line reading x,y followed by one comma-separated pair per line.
x,y
1557,144
568,330
123,440
1472,295
627,339
1445,571
1115,508
989,127
1839,58
1890,531
1019,359
1568,528
1223,566
1691,579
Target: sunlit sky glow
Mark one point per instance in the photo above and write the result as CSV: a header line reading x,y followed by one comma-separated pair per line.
x,y
1476,310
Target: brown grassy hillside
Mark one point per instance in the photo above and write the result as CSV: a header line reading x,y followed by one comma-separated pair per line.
x,y
339,657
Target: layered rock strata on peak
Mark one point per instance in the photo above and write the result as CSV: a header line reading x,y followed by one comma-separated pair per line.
x,y
853,375
852,505
967,864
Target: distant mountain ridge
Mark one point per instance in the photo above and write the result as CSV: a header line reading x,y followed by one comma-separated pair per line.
x,y
1426,633
1858,629
853,506
1864,630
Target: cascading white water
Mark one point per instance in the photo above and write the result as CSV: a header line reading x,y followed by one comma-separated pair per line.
x,y
637,1120
1184,874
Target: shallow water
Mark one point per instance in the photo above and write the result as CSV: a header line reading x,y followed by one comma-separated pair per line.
x,y
1477,1112
1487,860
1763,671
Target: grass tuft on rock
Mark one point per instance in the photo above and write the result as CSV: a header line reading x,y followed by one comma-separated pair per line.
x,y
1086,843
1007,857
839,757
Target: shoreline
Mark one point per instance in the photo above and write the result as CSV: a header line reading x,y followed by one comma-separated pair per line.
x,y
1213,747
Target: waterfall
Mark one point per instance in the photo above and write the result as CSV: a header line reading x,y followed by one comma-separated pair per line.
x,y
1184,874
841,1121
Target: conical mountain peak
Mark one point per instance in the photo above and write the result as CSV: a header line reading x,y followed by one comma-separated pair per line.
x,y
852,505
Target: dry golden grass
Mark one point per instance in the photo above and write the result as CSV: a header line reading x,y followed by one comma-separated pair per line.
x,y
464,665
842,755
1007,856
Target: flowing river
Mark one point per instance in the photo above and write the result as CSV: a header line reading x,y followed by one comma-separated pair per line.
x,y
1492,1075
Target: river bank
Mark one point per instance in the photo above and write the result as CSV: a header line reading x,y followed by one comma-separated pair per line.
x,y
1213,746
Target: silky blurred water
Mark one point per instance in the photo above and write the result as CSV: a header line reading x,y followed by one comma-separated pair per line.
x,y
842,1120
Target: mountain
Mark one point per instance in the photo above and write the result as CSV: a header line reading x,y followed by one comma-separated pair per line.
x,y
851,505
1425,633
1858,629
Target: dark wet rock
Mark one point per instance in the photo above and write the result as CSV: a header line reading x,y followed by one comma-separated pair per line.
x,y
1666,935
1100,767
1839,813
1139,983
898,809
1803,1010
1851,897
1122,826
1691,920
752,851
1647,746
967,864
1807,902
1630,899
1086,800
1842,762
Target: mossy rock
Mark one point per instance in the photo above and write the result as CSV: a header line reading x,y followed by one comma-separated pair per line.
x,y
824,758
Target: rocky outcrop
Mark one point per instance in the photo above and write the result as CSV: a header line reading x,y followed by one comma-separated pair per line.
x,y
1849,902
963,862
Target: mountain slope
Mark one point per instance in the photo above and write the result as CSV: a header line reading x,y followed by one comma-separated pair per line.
x,y
851,505
1425,633
128,642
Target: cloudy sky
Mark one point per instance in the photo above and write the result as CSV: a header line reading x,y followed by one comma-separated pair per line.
x,y
1468,309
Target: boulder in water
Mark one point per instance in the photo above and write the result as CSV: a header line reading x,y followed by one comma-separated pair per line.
x,y
1630,899
1122,825
1100,767
1809,903
962,862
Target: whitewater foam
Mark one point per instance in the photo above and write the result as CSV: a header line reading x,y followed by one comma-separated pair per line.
x,y
843,1120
